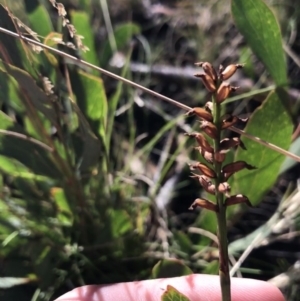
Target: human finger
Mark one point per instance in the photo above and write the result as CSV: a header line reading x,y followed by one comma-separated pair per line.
x,y
195,287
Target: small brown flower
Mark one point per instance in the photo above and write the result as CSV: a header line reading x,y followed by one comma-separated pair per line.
x,y
229,71
228,143
229,120
208,69
205,154
200,112
237,199
209,129
223,91
220,156
204,169
229,169
207,81
224,188
205,183
203,203
202,142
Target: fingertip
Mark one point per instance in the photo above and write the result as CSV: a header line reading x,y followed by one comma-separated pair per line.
x,y
195,287
251,289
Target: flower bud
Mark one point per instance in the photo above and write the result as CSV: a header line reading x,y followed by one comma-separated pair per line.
x,y
203,203
234,167
205,183
202,142
224,188
229,71
207,81
228,143
209,129
219,156
200,112
229,120
208,156
237,199
203,169
208,69
223,91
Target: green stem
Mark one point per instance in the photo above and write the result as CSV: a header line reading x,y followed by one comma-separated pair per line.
x,y
221,215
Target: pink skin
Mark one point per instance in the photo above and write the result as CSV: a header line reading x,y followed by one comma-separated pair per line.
x,y
195,287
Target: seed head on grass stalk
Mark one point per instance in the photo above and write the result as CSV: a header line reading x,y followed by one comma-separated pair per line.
x,y
214,175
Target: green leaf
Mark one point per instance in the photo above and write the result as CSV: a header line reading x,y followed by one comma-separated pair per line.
x,y
271,123
11,43
14,168
166,268
83,25
9,93
64,213
257,23
120,222
30,93
172,294
123,34
29,154
91,99
92,102
38,17
40,22
183,241
86,5
212,268
113,103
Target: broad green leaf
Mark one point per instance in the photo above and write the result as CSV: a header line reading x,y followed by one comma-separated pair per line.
x,y
11,43
87,146
16,169
9,94
92,102
91,99
83,25
166,268
172,294
38,17
86,5
52,40
29,154
123,34
257,23
40,22
30,93
64,213
271,123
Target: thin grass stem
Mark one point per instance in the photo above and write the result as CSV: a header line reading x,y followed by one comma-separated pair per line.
x,y
158,95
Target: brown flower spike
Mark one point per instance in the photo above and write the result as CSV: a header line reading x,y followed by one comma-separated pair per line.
x,y
213,176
